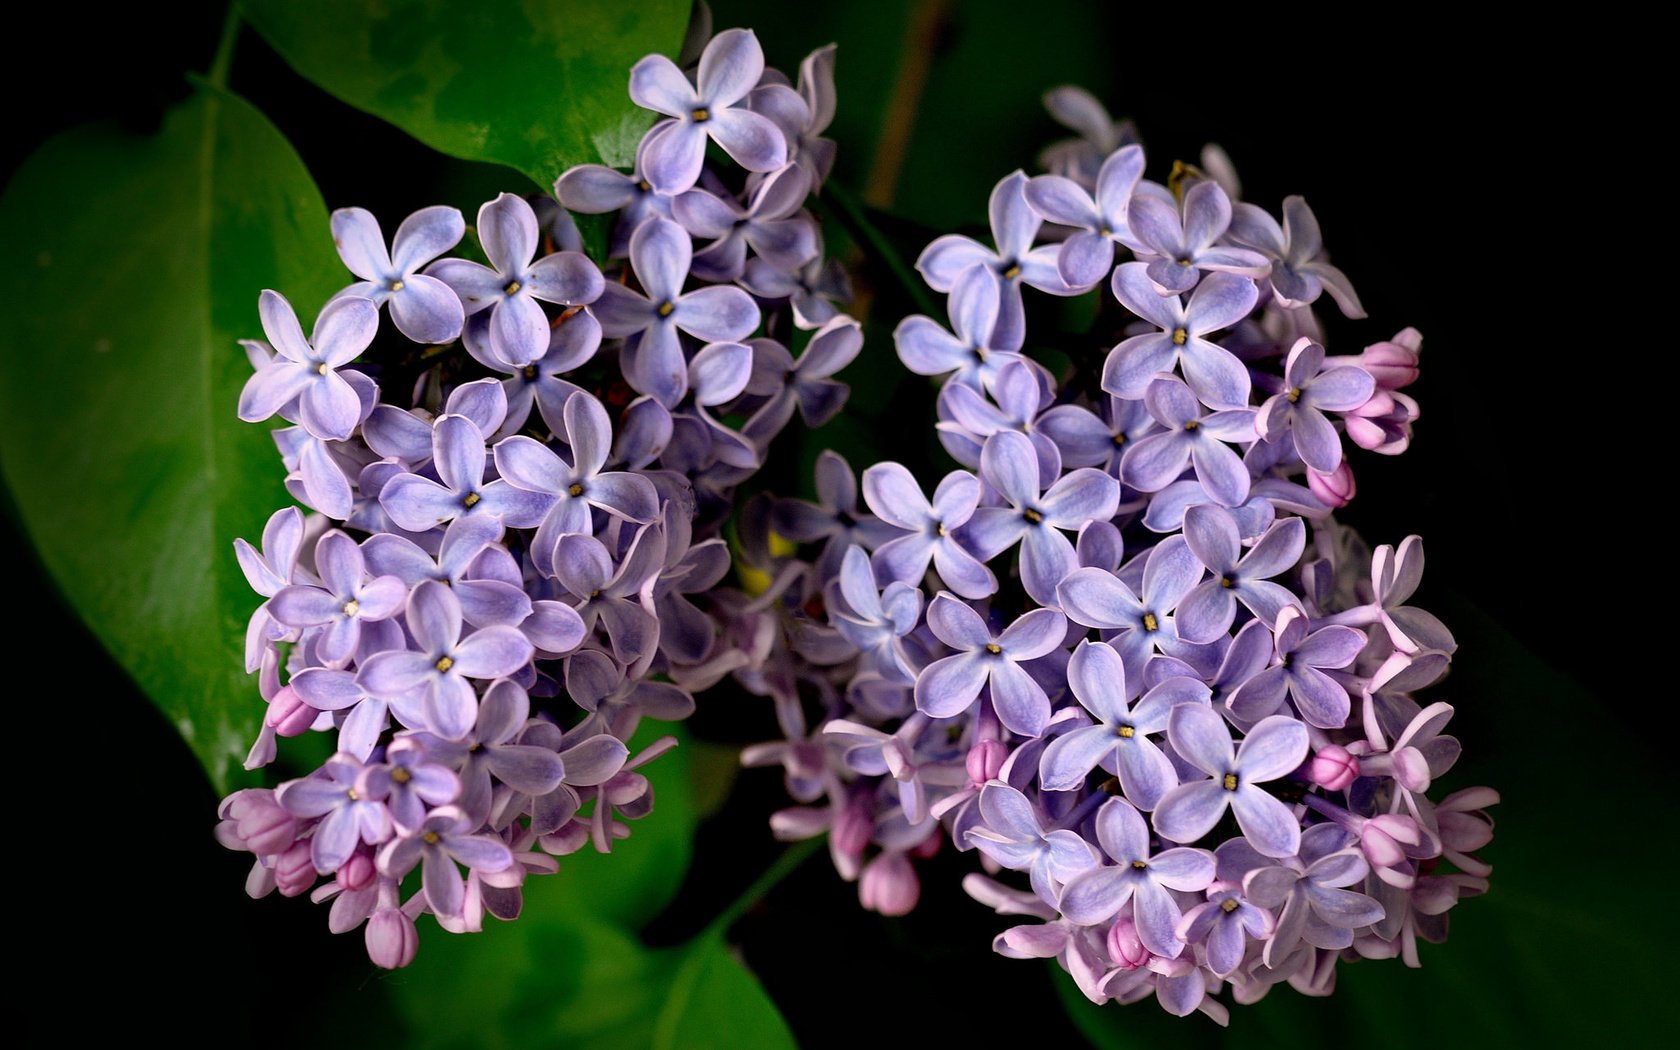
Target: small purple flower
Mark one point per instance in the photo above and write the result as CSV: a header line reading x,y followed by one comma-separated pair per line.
x,y
1300,270
892,493
771,224
346,816
1085,257
614,598
834,518
423,308
1308,894
446,838
660,253
409,783
1218,376
419,504
1013,835
873,621
676,148
594,189
926,348
1184,246
1207,612
1310,390
303,371
507,227
948,687
572,342
813,290
1225,922
1009,463
1119,742
953,259
805,382
1190,438
347,600
444,661
1140,877
1273,749
1319,698
577,486
1098,598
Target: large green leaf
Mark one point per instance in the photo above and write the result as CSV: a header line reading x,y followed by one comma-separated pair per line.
x,y
132,268
539,86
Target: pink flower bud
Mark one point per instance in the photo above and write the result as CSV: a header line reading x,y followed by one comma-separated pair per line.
x,y
1333,768
985,759
1394,363
853,828
288,714
889,885
358,871
1124,947
392,939
294,870
253,820
1335,488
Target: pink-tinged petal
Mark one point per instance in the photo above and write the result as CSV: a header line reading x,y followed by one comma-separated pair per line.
x,y
1069,758
1274,748
657,84
424,236
948,687
943,261
568,278
1201,737
1097,598
751,140
1094,895
1189,811
718,314
1020,702
1268,824
507,227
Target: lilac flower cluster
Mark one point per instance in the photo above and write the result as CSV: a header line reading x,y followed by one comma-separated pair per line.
x,y
509,523
1125,649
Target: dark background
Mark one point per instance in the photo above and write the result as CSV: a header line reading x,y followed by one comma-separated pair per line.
x,y
1441,180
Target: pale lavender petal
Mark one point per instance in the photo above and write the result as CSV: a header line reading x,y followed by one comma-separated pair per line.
x,y
1200,736
751,140
718,314
1094,895
1189,811
1070,757
1020,702
1274,748
1268,824
947,687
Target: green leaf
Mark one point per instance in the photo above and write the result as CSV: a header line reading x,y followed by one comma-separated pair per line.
x,y
536,86
132,267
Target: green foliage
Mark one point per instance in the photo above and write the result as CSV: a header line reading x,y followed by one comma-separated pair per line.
x,y
132,269
536,86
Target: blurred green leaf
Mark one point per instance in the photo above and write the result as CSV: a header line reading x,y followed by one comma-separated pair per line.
x,y
132,268
538,86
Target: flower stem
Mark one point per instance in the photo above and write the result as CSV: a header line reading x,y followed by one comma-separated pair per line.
x,y
784,866
218,75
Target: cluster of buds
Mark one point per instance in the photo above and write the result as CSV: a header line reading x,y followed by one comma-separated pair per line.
x,y
1124,649
515,500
